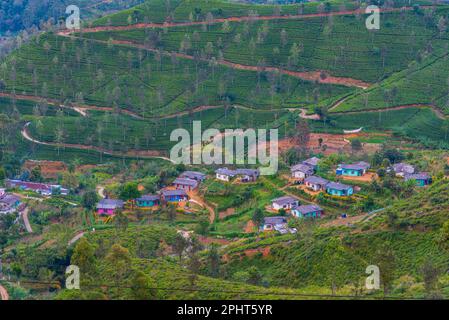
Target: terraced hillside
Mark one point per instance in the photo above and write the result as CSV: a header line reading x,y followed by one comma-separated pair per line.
x,y
132,80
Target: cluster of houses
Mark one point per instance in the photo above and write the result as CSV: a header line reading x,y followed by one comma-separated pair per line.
x,y
9,203
291,205
188,181
304,172
44,189
243,175
409,172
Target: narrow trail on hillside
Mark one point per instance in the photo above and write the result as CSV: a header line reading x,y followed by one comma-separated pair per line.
x,y
339,102
83,109
435,109
144,154
195,198
322,77
318,75
26,221
75,238
79,108
232,19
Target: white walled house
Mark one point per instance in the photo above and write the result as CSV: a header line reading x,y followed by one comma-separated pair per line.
x,y
301,171
285,203
224,174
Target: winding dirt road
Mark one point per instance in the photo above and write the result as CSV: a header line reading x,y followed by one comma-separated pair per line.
x,y
230,19
320,76
26,220
435,109
145,154
195,198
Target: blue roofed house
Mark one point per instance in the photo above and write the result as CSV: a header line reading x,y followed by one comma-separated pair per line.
x,y
353,170
178,195
186,184
225,174
301,171
278,224
312,162
339,189
307,211
285,203
422,179
194,175
148,201
402,169
247,175
8,202
316,183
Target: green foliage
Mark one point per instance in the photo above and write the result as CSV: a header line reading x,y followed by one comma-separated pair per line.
x,y
129,191
90,199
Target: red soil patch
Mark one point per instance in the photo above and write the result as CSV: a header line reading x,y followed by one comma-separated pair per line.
x,y
307,190
334,143
49,169
250,227
331,143
209,240
227,213
368,177
252,252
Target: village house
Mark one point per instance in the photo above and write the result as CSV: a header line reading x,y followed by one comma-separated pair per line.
x,y
41,188
224,174
8,202
316,183
353,170
422,179
312,162
307,211
274,223
339,189
186,184
245,175
301,171
178,195
109,207
278,224
194,175
148,201
402,169
285,203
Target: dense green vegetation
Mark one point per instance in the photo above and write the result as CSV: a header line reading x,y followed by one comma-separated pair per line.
x,y
150,84
112,98
341,45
